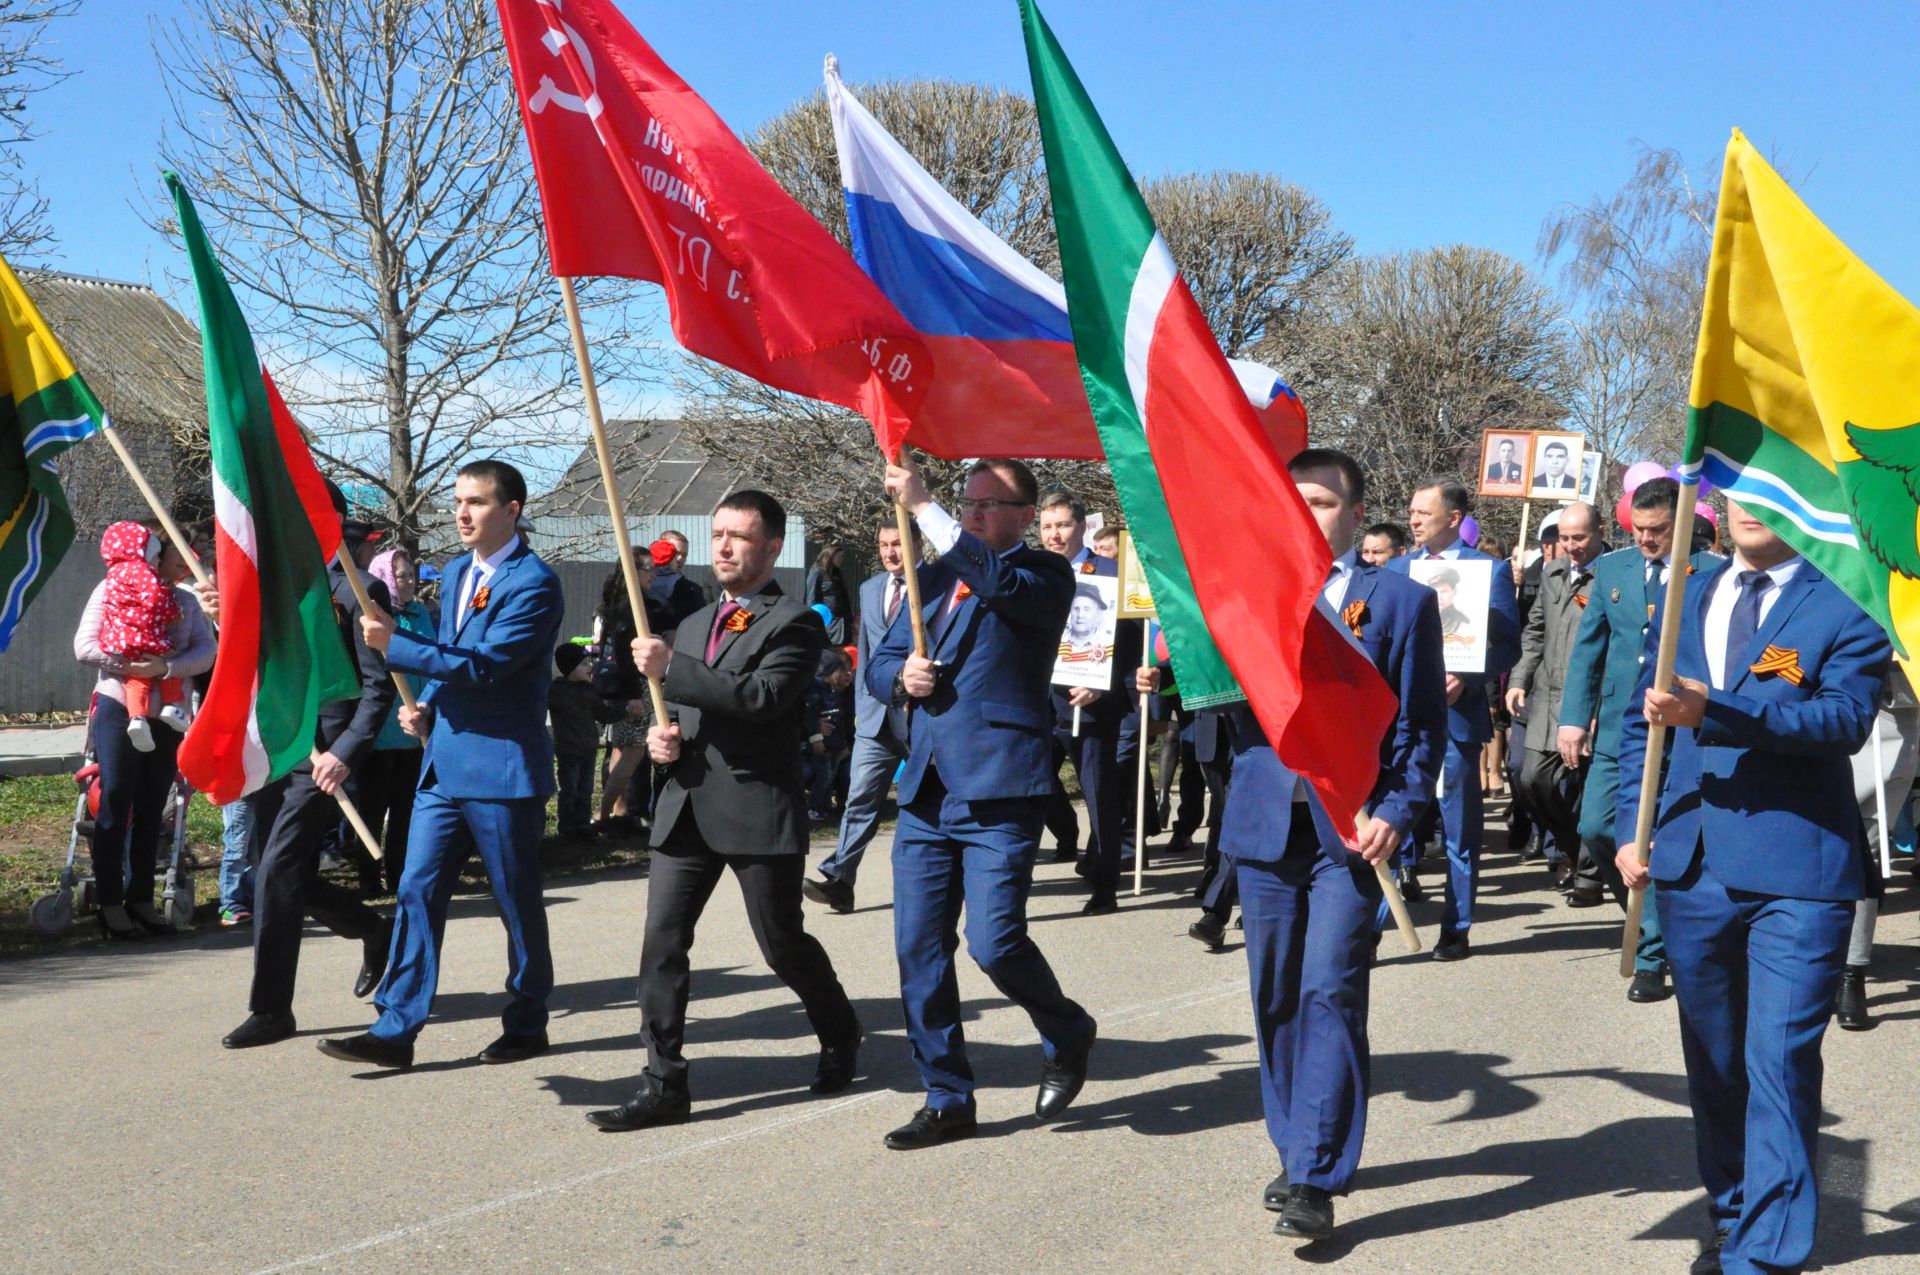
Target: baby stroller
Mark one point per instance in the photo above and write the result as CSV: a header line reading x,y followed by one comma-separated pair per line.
x,y
73,895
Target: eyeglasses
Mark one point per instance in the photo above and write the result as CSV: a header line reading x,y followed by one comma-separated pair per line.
x,y
987,505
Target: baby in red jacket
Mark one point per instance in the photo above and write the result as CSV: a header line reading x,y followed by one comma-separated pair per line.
x,y
138,611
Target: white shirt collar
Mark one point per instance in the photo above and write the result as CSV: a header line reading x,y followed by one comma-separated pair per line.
x,y
483,568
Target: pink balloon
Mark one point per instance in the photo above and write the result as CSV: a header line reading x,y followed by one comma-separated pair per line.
x,y
1640,471
1704,511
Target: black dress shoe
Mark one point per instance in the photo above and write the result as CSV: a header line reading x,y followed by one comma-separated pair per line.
x,y
1100,905
930,1127
1308,1214
118,927
371,1050
1582,896
1410,888
653,1105
1274,1198
513,1047
1708,1263
838,1065
1210,930
1451,949
836,894
1647,987
1564,873
1181,844
373,965
1062,1076
1850,1002
1064,854
259,1029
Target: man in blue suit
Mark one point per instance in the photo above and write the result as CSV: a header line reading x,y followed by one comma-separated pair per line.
x,y
974,791
1609,649
1435,514
486,774
1307,901
877,748
1758,851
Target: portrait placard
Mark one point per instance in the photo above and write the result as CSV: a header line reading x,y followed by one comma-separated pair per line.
x,y
1086,646
1465,590
1555,473
1136,595
1504,454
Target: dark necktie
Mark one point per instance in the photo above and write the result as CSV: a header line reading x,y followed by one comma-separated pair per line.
x,y
893,599
1653,583
1745,621
726,612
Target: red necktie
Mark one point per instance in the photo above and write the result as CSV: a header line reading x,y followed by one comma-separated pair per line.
x,y
893,600
726,612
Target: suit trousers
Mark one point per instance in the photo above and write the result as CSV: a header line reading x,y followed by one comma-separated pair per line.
x,y
1460,828
1196,784
680,880
1127,765
1598,871
869,775
1310,932
1094,753
288,887
1754,976
447,831
386,782
1553,799
948,852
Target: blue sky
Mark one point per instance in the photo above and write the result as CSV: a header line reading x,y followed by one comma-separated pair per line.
x,y
1418,124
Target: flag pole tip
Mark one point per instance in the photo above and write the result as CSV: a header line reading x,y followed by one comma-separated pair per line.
x,y
833,67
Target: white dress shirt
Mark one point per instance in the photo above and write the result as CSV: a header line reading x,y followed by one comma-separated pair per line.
x,y
1720,613
481,573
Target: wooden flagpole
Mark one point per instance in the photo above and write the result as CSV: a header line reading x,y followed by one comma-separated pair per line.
x,y
615,509
359,587
904,521
1657,731
1396,903
1140,781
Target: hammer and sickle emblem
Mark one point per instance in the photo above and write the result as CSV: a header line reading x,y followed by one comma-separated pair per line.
x,y
549,92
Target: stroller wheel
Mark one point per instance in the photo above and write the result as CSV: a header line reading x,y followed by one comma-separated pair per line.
x,y
51,914
180,902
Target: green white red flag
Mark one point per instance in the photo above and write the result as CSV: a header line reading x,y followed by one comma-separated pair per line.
x,y
280,654
1198,475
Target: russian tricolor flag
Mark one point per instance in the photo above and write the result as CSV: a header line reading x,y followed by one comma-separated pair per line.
x,y
1006,381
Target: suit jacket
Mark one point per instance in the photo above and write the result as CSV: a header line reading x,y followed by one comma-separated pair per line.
x,y
987,726
742,727
1546,646
350,728
1120,700
1507,473
1468,719
870,710
1609,644
1400,633
487,681
1764,785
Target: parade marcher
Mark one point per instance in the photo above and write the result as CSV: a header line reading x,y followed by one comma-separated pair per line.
x,y
1898,725
384,786
623,692
1094,748
1539,679
1436,513
1758,853
1382,542
826,586
134,782
486,774
1609,649
878,747
1307,902
975,786
735,677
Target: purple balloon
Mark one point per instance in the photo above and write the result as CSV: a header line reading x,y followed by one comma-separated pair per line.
x,y
1706,488
1470,532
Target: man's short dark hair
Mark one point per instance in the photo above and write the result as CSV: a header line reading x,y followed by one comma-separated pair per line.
x,y
1657,493
751,500
1453,494
1555,446
1014,472
1507,443
1331,458
1396,534
1061,500
509,484
893,525
1109,529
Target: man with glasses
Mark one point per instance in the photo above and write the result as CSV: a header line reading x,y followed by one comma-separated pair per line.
x,y
974,790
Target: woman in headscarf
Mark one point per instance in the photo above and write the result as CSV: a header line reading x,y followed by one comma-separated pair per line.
x,y
392,769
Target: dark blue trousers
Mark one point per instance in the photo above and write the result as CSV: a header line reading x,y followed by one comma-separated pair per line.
x,y
1095,757
947,852
1755,977
1309,929
446,832
1461,827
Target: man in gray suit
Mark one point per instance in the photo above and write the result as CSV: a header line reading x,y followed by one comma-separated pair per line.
x,y
1539,679
878,749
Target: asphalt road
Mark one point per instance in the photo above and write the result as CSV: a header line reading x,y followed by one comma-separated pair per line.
x,y
1526,1117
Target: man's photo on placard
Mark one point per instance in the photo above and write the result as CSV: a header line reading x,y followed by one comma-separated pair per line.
x,y
1590,464
1464,589
1503,463
1556,467
1086,645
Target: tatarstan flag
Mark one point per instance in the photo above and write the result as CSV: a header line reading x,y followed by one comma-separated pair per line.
x,y
1198,476
280,655
45,408
1805,404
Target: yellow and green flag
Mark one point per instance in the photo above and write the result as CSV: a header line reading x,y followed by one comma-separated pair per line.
x,y
1806,394
45,408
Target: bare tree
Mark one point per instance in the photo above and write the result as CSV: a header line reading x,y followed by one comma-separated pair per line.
x,y
1409,358
1637,262
359,163
1254,247
29,63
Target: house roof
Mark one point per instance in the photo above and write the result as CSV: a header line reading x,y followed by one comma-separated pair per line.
x,y
138,354
660,469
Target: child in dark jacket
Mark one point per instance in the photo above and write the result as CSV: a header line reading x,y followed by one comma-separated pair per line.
x,y
571,705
